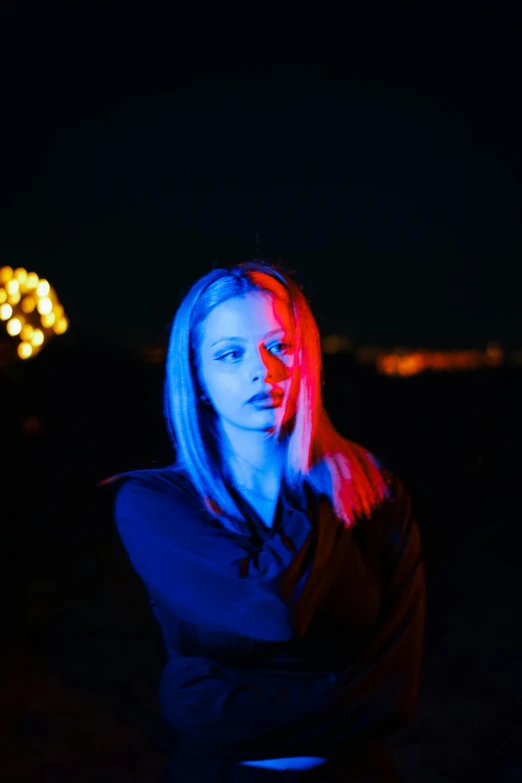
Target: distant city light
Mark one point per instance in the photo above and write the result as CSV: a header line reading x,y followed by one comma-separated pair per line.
x,y
336,343
405,362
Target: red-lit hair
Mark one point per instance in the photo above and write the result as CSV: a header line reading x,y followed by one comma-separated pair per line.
x,y
344,471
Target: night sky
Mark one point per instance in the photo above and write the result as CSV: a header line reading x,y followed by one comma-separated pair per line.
x,y
392,187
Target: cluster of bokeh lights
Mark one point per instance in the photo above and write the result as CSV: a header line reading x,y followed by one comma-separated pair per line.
x,y
29,310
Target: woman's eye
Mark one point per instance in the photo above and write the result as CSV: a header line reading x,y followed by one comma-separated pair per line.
x,y
235,354
284,347
228,353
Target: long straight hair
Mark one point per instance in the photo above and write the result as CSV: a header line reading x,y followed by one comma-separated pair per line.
x,y
334,466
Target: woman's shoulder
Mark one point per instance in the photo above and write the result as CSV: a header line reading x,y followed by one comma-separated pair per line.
x,y
169,482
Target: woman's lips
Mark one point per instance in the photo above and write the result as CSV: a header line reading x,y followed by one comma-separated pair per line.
x,y
266,400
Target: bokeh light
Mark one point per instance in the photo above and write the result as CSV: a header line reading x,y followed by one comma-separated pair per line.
x,y
6,312
24,350
6,274
14,298
14,327
37,337
32,280
61,326
44,306
28,304
27,332
43,288
12,286
48,320
30,307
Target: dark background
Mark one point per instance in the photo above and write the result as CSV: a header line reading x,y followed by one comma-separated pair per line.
x,y
391,185
389,177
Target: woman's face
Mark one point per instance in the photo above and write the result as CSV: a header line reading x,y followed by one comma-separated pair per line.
x,y
247,349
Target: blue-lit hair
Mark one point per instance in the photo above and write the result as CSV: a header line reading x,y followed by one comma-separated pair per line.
x,y
344,471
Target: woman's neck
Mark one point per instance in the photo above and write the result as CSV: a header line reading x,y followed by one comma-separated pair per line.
x,y
257,465
264,483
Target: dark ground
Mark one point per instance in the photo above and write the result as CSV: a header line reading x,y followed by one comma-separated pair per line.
x,y
81,655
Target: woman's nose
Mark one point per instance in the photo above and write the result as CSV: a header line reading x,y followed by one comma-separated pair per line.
x,y
266,363
261,362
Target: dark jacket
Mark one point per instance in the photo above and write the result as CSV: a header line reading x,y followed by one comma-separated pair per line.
x,y
304,639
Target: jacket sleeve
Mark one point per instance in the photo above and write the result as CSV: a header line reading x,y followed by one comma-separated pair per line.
x,y
274,712
193,570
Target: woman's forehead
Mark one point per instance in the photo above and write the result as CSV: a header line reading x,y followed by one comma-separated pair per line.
x,y
252,315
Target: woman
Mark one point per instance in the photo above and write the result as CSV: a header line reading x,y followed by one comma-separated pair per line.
x,y
282,563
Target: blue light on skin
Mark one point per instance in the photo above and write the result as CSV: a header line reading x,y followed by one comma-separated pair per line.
x,y
300,762
248,347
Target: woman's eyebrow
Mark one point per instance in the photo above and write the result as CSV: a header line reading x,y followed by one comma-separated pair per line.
x,y
242,339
